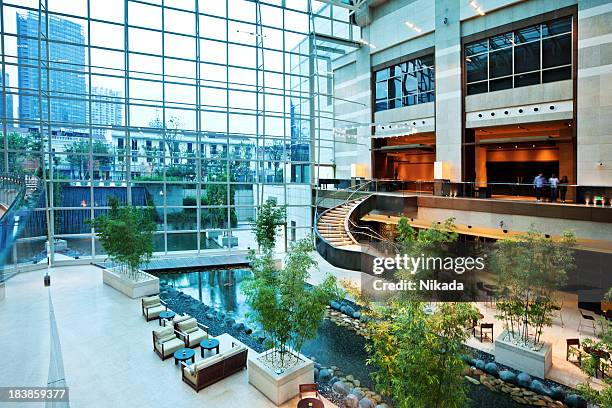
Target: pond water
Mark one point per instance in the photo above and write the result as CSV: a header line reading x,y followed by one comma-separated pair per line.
x,y
334,345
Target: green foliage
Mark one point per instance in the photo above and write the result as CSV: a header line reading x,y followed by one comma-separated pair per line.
x,y
428,242
435,234
265,226
417,356
286,309
601,398
531,267
593,360
25,156
126,234
77,155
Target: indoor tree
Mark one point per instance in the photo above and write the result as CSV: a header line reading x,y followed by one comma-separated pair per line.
x,y
265,227
417,354
287,310
531,267
592,362
126,234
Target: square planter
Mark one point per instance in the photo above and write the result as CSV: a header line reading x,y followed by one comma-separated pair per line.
x,y
279,388
533,362
145,287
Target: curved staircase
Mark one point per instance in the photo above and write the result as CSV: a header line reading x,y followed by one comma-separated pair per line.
x,y
332,224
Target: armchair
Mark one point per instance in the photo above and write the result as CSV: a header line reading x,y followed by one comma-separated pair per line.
x,y
165,342
152,306
191,332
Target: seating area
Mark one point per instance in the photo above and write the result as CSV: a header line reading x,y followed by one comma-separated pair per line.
x,y
577,352
178,334
208,371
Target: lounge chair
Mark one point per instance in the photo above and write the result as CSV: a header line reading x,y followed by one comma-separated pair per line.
x,y
191,332
165,342
152,306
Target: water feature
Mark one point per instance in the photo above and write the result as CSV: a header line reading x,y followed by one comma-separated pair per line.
x,y
334,345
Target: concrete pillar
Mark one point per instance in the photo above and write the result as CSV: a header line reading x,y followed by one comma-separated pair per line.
x,y
448,87
352,83
594,106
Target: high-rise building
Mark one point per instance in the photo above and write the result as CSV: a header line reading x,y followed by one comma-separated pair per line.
x,y
106,109
8,116
67,76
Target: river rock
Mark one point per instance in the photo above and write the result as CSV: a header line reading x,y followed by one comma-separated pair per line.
x,y
537,386
357,392
365,402
480,364
491,368
557,393
347,310
575,401
325,375
356,383
248,330
341,387
333,380
316,374
507,376
260,336
238,326
383,405
467,359
351,401
523,379
210,316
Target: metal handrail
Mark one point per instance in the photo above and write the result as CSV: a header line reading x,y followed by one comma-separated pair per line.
x,y
353,190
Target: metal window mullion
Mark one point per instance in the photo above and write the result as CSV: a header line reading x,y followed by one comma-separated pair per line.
x,y
89,107
128,142
227,125
5,146
164,129
198,130
286,154
47,176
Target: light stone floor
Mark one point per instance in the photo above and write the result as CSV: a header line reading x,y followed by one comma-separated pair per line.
x,y
106,346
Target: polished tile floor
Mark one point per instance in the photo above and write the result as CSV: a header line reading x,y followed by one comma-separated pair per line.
x,y
106,347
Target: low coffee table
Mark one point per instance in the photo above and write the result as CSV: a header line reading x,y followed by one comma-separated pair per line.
x,y
167,315
310,403
209,344
184,354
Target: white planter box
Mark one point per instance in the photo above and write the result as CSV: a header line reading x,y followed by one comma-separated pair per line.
x,y
279,388
149,286
536,363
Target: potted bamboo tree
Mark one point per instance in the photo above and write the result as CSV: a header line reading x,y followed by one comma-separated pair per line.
x,y
531,268
286,309
126,235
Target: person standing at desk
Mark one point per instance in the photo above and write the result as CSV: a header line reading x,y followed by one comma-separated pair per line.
x,y
538,183
553,181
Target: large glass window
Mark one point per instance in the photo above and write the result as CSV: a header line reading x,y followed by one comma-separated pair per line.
x,y
405,84
532,55
200,110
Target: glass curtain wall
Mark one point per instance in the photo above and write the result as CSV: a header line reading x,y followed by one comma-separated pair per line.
x,y
183,105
